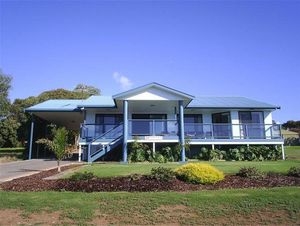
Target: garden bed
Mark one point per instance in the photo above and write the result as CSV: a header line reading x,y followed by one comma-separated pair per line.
x,y
137,183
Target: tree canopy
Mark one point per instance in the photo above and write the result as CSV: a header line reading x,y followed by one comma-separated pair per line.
x,y
5,85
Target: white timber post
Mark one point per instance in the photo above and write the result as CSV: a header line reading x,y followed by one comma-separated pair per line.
x,y
282,150
79,153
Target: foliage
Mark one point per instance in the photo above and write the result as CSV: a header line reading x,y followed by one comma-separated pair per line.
x,y
199,173
139,152
250,172
8,134
294,171
23,118
85,89
58,144
82,176
292,125
5,85
291,141
159,158
241,154
162,174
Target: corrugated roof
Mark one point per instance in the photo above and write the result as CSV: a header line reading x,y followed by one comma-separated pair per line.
x,y
229,102
56,105
98,102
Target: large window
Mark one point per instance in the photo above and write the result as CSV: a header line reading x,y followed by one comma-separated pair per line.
x,y
149,124
252,124
222,125
105,122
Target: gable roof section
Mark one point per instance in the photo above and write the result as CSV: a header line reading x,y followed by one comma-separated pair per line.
x,y
229,102
63,105
151,85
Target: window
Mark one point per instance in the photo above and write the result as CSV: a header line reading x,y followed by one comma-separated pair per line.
x,y
222,125
105,122
251,117
192,118
144,126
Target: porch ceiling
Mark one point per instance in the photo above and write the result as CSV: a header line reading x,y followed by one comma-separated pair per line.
x,y
70,120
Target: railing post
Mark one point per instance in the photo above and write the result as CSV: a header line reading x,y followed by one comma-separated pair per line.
x,y
153,128
212,131
125,129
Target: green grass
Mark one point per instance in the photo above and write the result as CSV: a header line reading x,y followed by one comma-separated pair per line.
x,y
208,207
117,169
292,152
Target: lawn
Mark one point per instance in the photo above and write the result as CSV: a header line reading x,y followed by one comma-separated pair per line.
x,y
247,206
117,169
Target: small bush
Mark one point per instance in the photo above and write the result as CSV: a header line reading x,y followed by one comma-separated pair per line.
x,y
250,172
162,174
199,173
159,158
82,176
294,171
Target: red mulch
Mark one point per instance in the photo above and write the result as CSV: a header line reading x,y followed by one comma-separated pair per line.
x,y
141,184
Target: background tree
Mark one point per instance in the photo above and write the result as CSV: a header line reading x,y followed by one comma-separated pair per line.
x,y
8,133
292,125
5,85
85,89
58,145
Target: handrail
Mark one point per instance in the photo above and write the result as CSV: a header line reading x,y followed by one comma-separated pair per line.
x,y
102,135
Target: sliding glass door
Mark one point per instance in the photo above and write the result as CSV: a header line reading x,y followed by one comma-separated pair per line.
x,y
252,124
149,124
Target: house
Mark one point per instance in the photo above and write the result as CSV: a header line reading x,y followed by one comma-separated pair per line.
x,y
158,114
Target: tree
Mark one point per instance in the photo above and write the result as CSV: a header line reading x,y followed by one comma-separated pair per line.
x,y
5,85
57,145
8,134
292,125
85,89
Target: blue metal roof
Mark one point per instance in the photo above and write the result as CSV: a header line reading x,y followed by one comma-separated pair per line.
x,y
229,102
56,105
98,102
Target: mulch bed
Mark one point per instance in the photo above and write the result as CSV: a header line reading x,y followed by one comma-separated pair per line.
x,y
140,184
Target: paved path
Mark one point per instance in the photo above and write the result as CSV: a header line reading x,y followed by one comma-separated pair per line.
x,y
12,170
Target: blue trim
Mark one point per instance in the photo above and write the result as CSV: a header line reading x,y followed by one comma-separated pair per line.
x,y
125,130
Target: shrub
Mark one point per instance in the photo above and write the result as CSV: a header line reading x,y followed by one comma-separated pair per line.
x,y
162,174
82,176
250,172
233,154
159,158
294,171
199,173
139,152
211,155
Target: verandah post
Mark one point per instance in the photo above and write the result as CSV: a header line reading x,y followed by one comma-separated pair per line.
x,y
31,137
181,130
125,129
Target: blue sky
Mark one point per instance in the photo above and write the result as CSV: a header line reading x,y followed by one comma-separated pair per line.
x,y
216,48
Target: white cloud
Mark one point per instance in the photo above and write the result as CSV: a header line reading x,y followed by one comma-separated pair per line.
x,y
122,80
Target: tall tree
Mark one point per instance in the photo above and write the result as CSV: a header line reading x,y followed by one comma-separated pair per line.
x,y
83,88
5,85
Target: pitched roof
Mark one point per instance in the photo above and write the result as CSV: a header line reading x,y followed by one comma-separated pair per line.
x,y
98,102
152,85
55,105
229,102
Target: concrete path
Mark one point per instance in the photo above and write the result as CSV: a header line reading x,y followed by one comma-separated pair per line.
x,y
12,170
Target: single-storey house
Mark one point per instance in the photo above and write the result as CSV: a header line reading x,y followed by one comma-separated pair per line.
x,y
157,114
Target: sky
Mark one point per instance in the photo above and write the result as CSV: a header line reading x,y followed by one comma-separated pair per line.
x,y
204,48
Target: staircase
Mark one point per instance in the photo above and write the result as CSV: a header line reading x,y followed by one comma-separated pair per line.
x,y
106,142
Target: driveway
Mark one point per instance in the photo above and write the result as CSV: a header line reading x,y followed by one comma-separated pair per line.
x,y
12,170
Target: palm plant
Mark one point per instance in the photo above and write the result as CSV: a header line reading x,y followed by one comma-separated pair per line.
x,y
57,145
